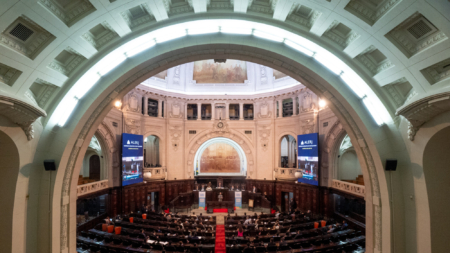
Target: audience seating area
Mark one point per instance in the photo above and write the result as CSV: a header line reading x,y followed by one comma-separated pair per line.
x,y
151,232
155,233
268,233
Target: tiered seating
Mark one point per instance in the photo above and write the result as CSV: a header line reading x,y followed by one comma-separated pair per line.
x,y
271,234
153,234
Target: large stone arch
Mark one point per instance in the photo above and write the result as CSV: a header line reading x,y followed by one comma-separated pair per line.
x,y
342,101
234,135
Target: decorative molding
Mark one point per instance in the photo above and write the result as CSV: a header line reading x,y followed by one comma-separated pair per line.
x,y
408,44
178,8
92,187
423,110
32,46
70,13
100,35
9,75
437,72
340,34
304,16
21,113
261,7
368,11
355,189
67,61
370,58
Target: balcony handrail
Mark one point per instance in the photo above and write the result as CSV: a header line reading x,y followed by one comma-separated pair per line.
x,y
352,188
92,187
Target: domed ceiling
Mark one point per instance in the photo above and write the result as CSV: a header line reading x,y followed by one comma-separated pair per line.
x,y
229,77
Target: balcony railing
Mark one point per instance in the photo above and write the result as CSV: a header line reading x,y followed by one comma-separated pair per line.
x,y
92,187
355,189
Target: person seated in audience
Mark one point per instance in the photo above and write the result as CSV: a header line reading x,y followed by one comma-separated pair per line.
x,y
158,230
240,232
229,218
248,247
283,242
108,221
247,221
169,218
331,229
146,237
308,215
232,188
289,229
239,225
193,215
277,214
298,235
344,225
271,243
195,248
276,226
261,229
200,225
181,244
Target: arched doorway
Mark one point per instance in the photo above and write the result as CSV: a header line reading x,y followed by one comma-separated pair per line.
x,y
10,162
152,151
436,167
288,152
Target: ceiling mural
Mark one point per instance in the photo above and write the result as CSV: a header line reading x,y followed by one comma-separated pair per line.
x,y
277,74
232,71
161,75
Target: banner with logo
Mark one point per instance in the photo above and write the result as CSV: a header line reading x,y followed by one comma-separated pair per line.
x,y
132,159
238,199
308,158
201,200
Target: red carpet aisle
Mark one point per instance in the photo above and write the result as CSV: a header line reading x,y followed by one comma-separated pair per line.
x,y
220,239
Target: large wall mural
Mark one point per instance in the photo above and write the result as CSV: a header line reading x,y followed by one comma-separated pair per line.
x,y
232,71
220,158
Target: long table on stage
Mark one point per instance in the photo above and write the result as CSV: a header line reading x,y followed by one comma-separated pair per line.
x,y
211,205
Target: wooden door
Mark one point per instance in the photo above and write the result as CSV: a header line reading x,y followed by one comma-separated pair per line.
x,y
94,167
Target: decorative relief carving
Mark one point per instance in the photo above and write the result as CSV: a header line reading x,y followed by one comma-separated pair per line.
x,y
264,134
421,111
175,136
21,113
133,126
133,103
264,110
369,12
176,111
8,75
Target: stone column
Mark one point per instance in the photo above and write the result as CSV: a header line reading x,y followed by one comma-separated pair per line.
x,y
159,108
213,110
241,111
227,111
145,105
294,105
280,108
199,111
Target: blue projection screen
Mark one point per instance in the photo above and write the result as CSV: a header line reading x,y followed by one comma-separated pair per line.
x,y
308,158
132,159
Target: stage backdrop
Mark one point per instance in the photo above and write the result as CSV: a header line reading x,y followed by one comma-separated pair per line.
x,y
220,158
